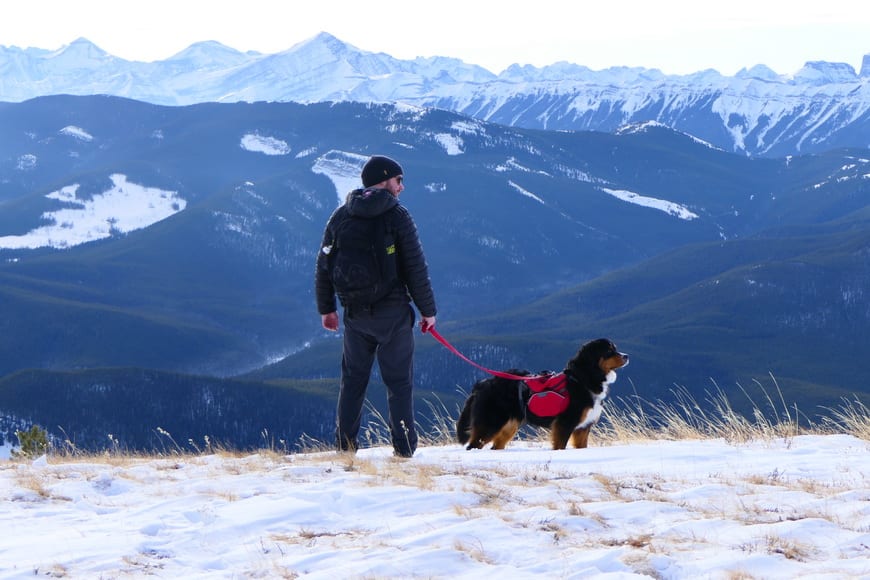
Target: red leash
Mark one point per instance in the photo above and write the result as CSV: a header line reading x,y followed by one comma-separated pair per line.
x,y
550,391
535,382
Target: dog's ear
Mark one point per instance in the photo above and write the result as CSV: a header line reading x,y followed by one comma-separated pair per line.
x,y
589,355
583,359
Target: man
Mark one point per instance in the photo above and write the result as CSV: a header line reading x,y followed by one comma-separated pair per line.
x,y
382,326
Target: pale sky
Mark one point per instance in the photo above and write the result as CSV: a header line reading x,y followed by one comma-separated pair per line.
x,y
675,36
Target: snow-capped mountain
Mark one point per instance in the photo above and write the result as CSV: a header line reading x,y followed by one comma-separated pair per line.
x,y
756,112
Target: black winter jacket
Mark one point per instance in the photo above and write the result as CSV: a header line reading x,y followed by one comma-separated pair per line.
x,y
412,268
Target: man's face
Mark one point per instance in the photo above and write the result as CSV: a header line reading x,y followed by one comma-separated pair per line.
x,y
395,185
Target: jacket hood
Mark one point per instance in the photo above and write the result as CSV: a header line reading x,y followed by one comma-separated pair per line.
x,y
370,202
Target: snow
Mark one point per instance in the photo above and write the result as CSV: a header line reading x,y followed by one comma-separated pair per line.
x,y
343,169
512,165
668,207
266,145
26,162
757,108
123,208
77,132
526,192
647,125
776,508
468,127
452,144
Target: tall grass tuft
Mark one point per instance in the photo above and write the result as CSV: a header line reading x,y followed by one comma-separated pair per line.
x,y
852,417
634,418
625,420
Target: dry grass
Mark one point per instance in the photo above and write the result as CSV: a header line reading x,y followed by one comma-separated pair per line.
x,y
31,482
475,550
626,419
309,537
789,549
635,419
54,571
852,417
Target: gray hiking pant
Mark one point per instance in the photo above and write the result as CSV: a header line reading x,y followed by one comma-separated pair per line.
x,y
385,332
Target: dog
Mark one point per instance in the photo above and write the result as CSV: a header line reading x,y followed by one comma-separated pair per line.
x,y
497,407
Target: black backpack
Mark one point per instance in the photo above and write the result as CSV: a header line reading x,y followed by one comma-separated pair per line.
x,y
362,260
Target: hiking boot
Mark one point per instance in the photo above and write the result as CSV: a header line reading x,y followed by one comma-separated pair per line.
x,y
346,447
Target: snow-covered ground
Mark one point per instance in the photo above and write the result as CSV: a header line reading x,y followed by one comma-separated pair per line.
x,y
784,508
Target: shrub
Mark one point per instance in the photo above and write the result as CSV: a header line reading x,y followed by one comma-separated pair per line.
x,y
34,442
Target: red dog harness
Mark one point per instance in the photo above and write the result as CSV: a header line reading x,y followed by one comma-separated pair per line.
x,y
549,390
549,394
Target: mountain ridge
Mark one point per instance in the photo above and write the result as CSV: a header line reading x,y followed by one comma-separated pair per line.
x,y
731,266
756,112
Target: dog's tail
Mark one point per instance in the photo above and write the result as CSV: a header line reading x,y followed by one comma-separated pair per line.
x,y
463,424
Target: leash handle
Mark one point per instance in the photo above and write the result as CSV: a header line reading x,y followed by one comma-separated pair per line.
x,y
437,336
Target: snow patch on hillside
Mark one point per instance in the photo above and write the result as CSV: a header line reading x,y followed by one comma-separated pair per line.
x,y
26,162
468,127
668,207
123,208
76,132
435,187
452,144
647,125
526,192
343,169
266,145
513,165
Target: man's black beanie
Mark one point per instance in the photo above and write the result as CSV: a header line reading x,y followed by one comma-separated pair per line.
x,y
379,168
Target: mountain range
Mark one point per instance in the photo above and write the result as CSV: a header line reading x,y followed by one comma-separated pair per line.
x,y
146,245
757,112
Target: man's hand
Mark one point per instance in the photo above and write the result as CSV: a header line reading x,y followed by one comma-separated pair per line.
x,y
330,321
427,324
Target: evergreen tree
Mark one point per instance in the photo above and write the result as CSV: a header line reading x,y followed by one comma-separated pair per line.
x,y
34,442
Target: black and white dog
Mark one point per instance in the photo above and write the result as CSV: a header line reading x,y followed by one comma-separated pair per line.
x,y
494,411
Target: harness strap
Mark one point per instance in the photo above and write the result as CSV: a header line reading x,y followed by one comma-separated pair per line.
x,y
547,382
523,405
549,391
528,379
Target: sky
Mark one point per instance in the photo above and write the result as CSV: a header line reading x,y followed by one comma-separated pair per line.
x,y
674,36
772,508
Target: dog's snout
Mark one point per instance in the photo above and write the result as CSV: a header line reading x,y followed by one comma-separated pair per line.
x,y
624,358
